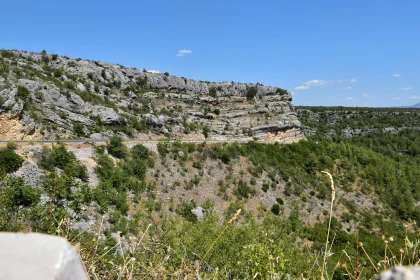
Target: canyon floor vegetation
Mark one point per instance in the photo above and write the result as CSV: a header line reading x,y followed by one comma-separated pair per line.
x,y
136,221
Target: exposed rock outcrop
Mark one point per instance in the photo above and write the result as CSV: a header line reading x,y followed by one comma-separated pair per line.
x,y
401,273
62,97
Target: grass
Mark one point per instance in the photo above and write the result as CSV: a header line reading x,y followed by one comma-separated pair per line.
x,y
329,222
175,248
11,145
131,255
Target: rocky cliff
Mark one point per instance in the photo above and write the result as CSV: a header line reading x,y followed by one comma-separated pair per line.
x,y
48,96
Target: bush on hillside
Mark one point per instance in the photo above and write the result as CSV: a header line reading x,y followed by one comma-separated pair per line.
x,y
116,147
9,160
11,145
22,93
251,92
59,157
140,151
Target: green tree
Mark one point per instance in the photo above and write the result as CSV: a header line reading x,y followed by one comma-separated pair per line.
x,y
116,147
251,92
140,151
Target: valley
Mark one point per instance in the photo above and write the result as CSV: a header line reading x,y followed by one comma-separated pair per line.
x,y
149,171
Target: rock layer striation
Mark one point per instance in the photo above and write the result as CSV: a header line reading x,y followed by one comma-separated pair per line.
x,y
46,96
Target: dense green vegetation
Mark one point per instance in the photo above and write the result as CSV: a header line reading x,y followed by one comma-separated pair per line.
x,y
377,194
59,157
333,120
377,160
248,246
21,206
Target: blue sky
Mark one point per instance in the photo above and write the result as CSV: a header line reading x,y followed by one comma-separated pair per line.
x,y
349,53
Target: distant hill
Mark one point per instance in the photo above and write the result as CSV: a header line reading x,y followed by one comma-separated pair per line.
x,y
352,121
416,105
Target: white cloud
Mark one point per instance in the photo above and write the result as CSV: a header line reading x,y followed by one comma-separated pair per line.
x,y
312,83
369,96
396,98
318,83
183,52
348,98
153,71
347,88
406,88
413,97
397,75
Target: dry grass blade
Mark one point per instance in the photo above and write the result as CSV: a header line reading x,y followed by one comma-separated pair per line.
x,y
329,222
235,217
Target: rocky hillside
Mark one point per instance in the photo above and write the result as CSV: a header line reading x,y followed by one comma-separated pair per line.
x,y
45,96
349,122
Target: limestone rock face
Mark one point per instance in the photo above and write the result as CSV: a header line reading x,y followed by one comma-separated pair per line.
x,y
38,257
70,98
401,273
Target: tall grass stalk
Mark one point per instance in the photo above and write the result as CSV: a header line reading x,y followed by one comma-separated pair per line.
x,y
224,229
324,263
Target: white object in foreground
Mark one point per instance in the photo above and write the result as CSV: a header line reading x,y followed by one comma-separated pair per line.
x,y
38,257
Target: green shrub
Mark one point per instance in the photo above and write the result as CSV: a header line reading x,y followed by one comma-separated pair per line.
x,y
44,57
59,157
105,167
185,210
78,129
243,190
9,160
163,147
16,193
70,85
206,131
116,147
22,93
251,92
6,54
280,200
142,82
265,187
213,92
11,145
136,167
140,151
4,68
275,209
282,91
55,157
58,73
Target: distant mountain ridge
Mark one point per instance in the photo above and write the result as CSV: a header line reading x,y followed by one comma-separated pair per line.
x,y
415,105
